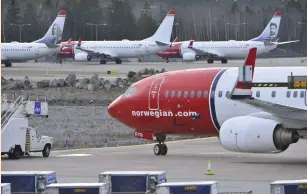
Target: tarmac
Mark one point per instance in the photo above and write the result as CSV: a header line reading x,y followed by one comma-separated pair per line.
x,y
186,161
40,71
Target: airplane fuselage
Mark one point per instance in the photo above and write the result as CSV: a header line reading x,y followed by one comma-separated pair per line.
x,y
224,49
25,51
122,49
195,101
228,49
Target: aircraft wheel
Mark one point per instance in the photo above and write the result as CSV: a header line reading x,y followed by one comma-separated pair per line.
x,y
224,60
166,60
164,149
102,61
157,149
8,64
210,60
118,61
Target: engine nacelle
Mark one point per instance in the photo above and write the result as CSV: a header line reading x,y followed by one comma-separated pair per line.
x,y
256,135
190,57
82,57
66,51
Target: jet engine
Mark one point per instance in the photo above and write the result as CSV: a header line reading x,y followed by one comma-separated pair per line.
x,y
66,51
190,57
82,57
256,135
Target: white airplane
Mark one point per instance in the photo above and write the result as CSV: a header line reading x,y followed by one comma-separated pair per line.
x,y
115,50
223,50
48,45
256,110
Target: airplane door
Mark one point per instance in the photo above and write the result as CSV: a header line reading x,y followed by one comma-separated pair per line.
x,y
154,92
36,52
306,97
146,48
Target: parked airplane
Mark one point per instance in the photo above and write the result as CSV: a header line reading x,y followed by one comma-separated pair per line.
x,y
223,50
48,45
115,50
263,116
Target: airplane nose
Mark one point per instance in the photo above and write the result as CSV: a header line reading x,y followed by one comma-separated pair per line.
x,y
113,108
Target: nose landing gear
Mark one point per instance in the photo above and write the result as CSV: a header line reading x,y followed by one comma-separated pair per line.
x,y
160,148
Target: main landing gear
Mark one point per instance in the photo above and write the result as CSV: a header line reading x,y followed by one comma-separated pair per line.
x,y
160,148
7,63
166,60
104,61
211,60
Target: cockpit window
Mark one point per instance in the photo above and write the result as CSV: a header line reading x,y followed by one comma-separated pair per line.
x,y
130,91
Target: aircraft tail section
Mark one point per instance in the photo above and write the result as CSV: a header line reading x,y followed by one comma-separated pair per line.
x,y
164,32
54,33
271,30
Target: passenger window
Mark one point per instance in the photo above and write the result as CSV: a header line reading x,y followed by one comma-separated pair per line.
x,y
302,94
273,94
166,94
220,93
173,94
227,94
258,94
192,94
198,94
178,94
288,94
295,94
185,94
205,94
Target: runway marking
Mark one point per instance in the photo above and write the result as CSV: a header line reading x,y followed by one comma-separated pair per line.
x,y
73,155
130,146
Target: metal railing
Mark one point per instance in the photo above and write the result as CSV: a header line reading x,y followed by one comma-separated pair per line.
x,y
248,192
11,111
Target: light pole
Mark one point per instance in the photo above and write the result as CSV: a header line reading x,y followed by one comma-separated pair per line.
x,y
224,25
96,25
302,23
20,25
236,27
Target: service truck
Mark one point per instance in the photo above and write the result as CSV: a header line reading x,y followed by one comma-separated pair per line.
x,y
17,138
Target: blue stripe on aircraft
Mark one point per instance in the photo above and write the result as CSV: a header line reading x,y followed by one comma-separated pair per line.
x,y
212,100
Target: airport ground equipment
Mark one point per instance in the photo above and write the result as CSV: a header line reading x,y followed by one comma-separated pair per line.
x,y
5,188
132,182
200,187
18,139
26,182
289,187
73,188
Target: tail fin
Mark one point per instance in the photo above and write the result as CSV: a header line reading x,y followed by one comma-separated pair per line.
x,y
271,30
54,33
164,32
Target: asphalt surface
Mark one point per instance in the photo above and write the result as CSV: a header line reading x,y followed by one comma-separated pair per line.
x,y
40,71
186,161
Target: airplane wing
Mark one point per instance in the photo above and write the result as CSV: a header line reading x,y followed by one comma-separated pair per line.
x,y
93,53
242,92
199,51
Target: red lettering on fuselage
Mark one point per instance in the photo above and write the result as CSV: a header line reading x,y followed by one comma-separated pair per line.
x,y
184,104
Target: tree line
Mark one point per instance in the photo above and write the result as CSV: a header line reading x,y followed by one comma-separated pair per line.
x,y
118,20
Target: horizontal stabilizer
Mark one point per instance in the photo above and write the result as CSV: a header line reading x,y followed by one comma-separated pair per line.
x,y
287,42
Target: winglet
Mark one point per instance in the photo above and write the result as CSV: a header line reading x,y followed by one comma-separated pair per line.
x,y
191,44
175,40
242,88
79,42
69,41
